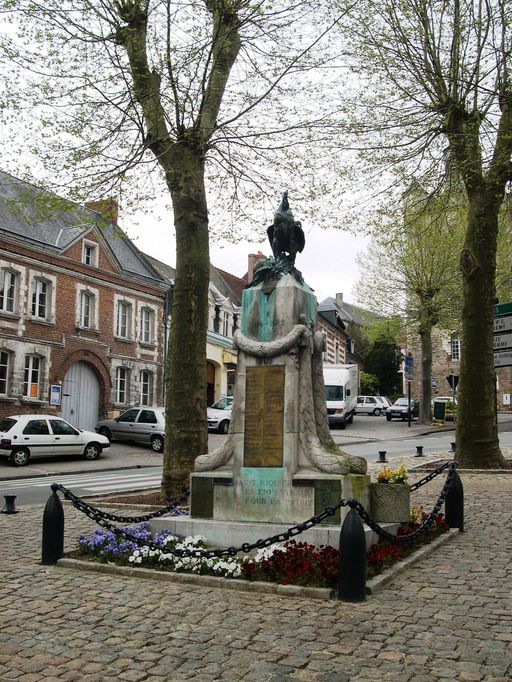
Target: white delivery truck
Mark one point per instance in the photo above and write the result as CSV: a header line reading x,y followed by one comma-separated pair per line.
x,y
341,390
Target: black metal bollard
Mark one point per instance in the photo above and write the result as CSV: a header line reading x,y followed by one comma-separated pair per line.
x,y
454,503
382,457
419,451
352,571
9,507
53,529
452,445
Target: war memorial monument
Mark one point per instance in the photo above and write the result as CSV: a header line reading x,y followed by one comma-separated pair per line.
x,y
279,464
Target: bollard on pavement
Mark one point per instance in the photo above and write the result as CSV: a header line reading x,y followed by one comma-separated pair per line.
x,y
419,451
382,457
53,529
452,445
352,570
454,503
9,507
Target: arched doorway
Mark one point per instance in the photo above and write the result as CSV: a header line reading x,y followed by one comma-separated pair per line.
x,y
81,396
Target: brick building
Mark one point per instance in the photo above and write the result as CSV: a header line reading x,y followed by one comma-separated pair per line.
x,y
81,310
224,306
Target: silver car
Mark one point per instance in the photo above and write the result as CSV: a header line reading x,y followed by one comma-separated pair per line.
x,y
138,424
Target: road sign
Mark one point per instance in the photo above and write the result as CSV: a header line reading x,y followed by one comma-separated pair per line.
x,y
503,309
503,358
409,372
503,335
409,360
453,380
434,382
502,341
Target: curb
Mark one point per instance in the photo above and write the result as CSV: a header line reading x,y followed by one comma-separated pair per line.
x,y
75,472
260,587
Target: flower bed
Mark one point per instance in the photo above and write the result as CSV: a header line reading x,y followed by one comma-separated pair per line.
x,y
293,563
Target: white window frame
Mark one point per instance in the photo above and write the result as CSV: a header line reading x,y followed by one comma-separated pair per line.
x,y
145,388
225,323
37,277
40,296
122,384
90,253
82,290
33,367
123,315
7,356
9,304
455,349
147,332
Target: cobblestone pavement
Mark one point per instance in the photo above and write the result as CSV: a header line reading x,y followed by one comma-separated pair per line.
x,y
448,618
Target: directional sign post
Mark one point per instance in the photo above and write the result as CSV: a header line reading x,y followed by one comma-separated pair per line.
x,y
408,373
503,335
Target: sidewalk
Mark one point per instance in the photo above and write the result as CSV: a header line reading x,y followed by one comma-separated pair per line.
x,y
449,618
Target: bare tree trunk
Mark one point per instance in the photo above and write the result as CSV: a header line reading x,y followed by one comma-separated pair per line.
x,y
425,333
477,432
185,428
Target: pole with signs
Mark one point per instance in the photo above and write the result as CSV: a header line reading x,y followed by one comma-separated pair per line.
x,y
502,341
408,373
503,335
453,380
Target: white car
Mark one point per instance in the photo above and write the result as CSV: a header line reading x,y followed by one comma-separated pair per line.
x,y
24,436
218,415
372,404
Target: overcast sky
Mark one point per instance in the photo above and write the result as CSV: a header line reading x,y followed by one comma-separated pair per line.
x,y
328,262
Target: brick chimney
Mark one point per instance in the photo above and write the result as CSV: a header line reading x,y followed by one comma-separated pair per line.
x,y
253,259
107,208
339,300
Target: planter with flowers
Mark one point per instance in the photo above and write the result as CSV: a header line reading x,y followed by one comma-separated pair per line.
x,y
390,496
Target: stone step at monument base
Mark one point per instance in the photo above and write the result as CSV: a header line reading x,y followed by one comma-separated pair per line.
x,y
221,534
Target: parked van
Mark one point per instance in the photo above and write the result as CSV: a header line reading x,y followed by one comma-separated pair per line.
x,y
341,389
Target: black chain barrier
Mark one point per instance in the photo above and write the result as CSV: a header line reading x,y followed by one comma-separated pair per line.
x,y
88,509
429,476
429,520
103,519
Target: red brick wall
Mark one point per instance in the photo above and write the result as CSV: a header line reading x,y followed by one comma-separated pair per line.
x,y
63,343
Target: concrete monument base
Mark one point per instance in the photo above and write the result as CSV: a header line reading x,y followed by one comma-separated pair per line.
x,y
267,494
222,534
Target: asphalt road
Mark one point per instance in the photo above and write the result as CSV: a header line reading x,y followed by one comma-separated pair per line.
x,y
133,467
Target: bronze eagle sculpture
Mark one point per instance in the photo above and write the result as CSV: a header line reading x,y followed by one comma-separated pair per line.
x,y
285,234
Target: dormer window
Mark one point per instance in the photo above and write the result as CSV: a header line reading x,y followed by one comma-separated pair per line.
x,y
90,253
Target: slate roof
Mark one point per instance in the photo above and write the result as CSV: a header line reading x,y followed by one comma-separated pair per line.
x,y
219,280
43,219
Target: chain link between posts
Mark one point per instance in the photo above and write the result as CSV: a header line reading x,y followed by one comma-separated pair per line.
x,y
104,519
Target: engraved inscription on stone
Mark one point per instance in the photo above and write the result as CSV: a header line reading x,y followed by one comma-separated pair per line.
x,y
263,494
264,410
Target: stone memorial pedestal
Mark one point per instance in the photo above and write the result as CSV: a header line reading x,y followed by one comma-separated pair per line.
x,y
279,465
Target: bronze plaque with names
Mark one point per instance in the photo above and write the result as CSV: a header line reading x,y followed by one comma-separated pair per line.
x,y
264,412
